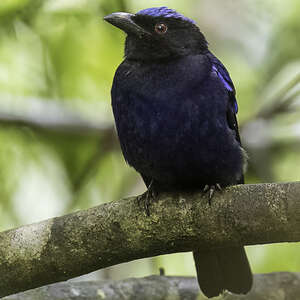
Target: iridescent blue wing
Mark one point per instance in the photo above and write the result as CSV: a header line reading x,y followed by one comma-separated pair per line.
x,y
224,76
232,109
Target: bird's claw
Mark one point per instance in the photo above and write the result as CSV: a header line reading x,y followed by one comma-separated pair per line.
x,y
146,199
211,189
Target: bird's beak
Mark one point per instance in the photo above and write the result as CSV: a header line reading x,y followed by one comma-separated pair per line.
x,y
125,22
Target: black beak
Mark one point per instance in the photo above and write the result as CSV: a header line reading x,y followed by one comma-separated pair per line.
x,y
125,22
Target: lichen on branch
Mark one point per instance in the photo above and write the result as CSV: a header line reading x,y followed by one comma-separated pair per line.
x,y
65,247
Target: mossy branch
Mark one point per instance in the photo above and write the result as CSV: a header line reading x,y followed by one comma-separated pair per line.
x,y
61,248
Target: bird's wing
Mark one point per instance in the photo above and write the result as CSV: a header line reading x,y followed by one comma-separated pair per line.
x,y
232,108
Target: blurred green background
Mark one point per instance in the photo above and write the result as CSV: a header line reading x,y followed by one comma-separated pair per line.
x,y
59,152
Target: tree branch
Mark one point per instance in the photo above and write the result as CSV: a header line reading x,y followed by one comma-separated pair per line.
x,y
275,286
50,115
116,232
280,102
68,124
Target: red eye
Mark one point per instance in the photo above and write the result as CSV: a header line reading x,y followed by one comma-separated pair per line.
x,y
161,28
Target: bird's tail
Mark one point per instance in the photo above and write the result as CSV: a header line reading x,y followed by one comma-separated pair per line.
x,y
223,269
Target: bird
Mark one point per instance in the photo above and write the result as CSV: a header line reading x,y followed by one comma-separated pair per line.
x,y
175,108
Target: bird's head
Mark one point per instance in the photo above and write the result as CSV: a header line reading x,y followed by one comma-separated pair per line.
x,y
158,33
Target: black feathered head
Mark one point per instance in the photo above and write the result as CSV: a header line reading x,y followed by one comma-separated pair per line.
x,y
158,33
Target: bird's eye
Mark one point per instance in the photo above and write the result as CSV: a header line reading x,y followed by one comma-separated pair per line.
x,y
161,28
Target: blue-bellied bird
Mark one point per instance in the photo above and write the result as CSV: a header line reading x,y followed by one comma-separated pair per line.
x,y
175,111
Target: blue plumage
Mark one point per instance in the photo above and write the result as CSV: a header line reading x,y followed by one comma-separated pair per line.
x,y
223,74
164,12
175,109
178,129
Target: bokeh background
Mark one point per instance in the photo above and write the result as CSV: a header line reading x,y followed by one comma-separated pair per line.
x,y
58,148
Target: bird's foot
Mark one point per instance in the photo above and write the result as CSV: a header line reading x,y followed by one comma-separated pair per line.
x,y
211,190
146,198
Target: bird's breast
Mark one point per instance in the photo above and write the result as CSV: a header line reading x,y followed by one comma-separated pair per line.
x,y
172,129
